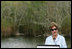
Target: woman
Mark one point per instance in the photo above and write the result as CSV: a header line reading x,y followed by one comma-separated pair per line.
x,y
55,38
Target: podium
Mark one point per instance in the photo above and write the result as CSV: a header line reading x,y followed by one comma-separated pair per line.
x,y
48,46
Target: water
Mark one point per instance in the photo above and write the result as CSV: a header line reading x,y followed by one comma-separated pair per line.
x,y
21,42
26,42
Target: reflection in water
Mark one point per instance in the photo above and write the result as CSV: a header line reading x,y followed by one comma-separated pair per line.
x,y
26,42
21,42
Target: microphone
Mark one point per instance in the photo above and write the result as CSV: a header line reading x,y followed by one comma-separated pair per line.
x,y
53,38
54,41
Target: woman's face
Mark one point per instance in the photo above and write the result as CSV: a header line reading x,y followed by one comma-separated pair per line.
x,y
54,30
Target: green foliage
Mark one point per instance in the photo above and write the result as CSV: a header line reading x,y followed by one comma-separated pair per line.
x,y
16,13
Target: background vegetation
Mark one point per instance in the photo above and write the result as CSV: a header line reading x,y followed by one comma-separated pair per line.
x,y
34,17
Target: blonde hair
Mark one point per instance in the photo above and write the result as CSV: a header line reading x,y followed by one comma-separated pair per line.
x,y
53,24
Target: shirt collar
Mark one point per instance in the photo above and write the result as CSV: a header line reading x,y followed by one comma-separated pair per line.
x,y
57,37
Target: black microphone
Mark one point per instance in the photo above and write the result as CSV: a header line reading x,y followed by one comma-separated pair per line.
x,y
54,41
